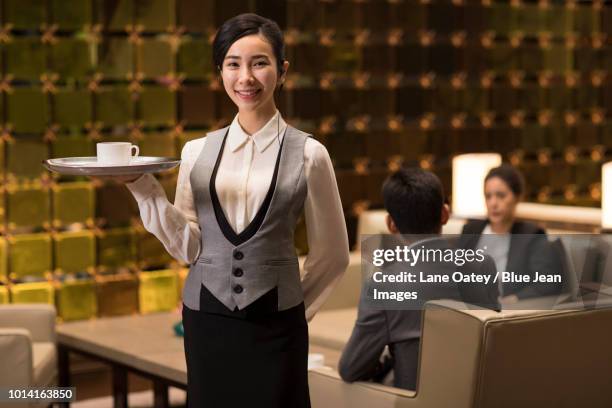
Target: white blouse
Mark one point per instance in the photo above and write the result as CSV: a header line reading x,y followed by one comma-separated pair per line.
x,y
242,182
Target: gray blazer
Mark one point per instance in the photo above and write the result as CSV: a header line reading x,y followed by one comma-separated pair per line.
x,y
400,330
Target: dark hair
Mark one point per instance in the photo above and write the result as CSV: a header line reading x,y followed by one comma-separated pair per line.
x,y
247,24
509,175
414,198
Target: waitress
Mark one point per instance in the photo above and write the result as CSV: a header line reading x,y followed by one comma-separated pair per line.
x,y
239,194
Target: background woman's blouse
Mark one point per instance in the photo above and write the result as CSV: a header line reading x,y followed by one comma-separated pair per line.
x,y
243,179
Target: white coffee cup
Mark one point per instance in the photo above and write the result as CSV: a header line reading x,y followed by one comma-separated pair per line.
x,y
116,153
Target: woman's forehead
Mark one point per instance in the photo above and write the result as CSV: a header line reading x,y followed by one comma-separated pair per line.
x,y
251,46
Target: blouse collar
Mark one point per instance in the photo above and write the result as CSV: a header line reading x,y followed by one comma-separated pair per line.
x,y
262,138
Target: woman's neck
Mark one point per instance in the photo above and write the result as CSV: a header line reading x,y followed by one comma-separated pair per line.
x,y
252,121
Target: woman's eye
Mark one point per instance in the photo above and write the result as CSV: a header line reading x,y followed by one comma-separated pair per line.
x,y
260,63
232,65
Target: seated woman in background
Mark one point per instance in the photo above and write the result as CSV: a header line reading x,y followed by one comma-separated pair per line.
x,y
516,246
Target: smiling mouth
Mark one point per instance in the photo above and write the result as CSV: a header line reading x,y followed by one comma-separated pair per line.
x,y
249,93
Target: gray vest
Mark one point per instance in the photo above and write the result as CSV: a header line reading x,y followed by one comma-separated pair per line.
x,y
237,271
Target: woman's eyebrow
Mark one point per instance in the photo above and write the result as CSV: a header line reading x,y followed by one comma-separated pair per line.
x,y
252,56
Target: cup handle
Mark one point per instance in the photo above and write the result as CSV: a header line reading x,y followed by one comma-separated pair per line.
x,y
137,150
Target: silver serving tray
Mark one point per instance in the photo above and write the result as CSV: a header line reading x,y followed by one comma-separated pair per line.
x,y
89,166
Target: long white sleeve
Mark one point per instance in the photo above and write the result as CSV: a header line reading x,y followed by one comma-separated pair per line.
x,y
328,248
176,226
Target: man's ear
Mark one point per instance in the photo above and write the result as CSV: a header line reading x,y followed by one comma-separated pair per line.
x,y
391,225
445,214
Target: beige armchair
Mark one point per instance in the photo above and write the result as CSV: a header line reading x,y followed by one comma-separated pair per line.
x,y
28,355
481,358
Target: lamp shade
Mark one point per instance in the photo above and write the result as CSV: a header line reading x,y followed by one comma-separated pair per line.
x,y
469,171
606,195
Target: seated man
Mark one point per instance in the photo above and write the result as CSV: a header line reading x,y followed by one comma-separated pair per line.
x,y
414,200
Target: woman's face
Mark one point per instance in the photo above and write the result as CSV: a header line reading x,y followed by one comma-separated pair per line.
x,y
250,73
501,201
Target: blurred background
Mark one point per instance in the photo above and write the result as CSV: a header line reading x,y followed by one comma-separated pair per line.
x,y
380,83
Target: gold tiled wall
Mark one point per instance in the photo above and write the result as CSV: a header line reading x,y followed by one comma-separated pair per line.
x,y
381,83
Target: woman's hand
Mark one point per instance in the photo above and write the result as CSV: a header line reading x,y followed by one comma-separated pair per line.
x,y
121,179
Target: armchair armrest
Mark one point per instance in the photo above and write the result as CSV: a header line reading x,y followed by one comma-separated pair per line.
x,y
16,351
38,319
328,389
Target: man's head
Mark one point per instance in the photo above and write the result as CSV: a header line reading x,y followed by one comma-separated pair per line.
x,y
414,199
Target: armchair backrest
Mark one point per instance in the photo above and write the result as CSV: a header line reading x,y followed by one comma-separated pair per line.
x,y
480,358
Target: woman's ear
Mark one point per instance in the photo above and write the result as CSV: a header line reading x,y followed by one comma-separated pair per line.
x,y
283,75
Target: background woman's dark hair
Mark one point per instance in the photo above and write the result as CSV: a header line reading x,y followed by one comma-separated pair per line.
x,y
511,176
414,198
247,24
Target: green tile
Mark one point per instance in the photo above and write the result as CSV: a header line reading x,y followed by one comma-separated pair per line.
x,y
73,58
71,14
160,144
33,292
72,107
558,59
196,15
25,58
586,19
3,261
74,252
114,105
30,255
157,106
155,15
115,57
28,208
25,157
158,291
73,203
151,252
501,18
76,299
559,19
4,294
27,110
343,58
72,146
116,248
531,19
25,14
114,15
155,57
194,58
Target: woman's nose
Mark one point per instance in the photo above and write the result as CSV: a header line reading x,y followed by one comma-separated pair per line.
x,y
245,74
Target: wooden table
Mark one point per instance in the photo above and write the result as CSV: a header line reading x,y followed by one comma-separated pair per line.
x,y
143,344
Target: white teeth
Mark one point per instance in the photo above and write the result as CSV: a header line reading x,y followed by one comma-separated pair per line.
x,y
249,93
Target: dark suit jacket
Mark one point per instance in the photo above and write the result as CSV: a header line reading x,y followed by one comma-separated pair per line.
x,y
529,252
401,329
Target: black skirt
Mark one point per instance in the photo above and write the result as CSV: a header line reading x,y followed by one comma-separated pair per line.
x,y
247,358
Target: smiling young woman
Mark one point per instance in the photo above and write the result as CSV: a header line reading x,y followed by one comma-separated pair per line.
x,y
239,194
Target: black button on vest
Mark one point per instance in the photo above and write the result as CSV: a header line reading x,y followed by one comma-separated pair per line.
x,y
238,289
238,255
238,272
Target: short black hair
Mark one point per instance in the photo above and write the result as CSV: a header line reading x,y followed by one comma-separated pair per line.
x,y
509,175
247,24
414,198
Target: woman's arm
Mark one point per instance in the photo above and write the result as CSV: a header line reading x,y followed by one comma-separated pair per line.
x,y
328,254
176,226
